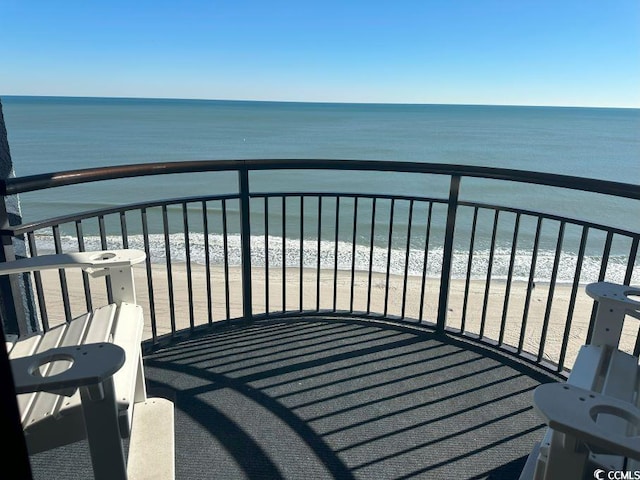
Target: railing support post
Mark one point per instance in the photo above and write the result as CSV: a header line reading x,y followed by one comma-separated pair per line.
x,y
245,240
447,254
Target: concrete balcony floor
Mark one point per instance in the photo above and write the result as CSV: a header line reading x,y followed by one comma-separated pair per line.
x,y
322,398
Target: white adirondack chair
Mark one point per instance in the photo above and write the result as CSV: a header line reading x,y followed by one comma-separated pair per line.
x,y
85,378
594,417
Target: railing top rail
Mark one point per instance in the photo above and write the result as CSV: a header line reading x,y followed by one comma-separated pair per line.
x,y
31,183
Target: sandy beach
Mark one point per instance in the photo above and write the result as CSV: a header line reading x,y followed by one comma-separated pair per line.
x,y
377,302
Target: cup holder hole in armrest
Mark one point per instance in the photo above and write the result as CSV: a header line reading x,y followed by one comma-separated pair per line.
x,y
633,296
608,413
50,366
103,256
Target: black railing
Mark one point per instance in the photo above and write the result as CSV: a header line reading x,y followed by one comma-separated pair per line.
x,y
505,274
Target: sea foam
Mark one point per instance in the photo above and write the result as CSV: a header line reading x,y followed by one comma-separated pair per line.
x,y
272,252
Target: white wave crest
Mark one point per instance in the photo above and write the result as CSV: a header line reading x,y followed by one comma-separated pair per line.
x,y
361,258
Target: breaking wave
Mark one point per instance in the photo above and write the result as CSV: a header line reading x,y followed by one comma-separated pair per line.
x,y
399,261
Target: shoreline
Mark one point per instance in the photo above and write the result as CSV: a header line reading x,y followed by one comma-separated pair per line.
x,y
364,299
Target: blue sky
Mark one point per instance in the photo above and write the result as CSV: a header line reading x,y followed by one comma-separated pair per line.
x,y
514,52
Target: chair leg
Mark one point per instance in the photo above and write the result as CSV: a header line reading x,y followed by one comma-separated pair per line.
x,y
103,434
566,459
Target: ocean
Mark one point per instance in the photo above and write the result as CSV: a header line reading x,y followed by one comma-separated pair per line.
x,y
49,134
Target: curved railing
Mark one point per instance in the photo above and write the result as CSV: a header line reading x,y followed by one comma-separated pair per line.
x,y
489,254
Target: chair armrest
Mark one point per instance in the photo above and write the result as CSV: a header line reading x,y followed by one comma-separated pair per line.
x,y
91,364
572,410
612,292
95,263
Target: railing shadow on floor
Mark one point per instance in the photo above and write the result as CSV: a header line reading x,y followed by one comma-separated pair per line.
x,y
391,401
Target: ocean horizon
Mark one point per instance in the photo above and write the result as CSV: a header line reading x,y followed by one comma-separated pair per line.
x,y
48,134
40,98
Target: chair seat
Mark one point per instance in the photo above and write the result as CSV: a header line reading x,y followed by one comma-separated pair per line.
x,y
44,412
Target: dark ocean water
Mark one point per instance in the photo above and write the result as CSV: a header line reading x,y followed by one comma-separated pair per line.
x,y
51,134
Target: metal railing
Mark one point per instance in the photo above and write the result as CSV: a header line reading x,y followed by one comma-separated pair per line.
x,y
463,266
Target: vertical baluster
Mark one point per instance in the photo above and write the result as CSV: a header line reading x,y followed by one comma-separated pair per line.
x,y
335,256
103,233
284,253
124,230
301,292
467,283
207,260
552,285
266,255
507,289
406,259
572,298
147,250
319,253
167,249
85,276
389,250
633,253
605,256
104,245
530,284
187,252
354,241
225,246
62,274
425,262
37,278
489,272
373,228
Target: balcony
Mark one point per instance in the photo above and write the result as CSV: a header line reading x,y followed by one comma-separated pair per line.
x,y
397,331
